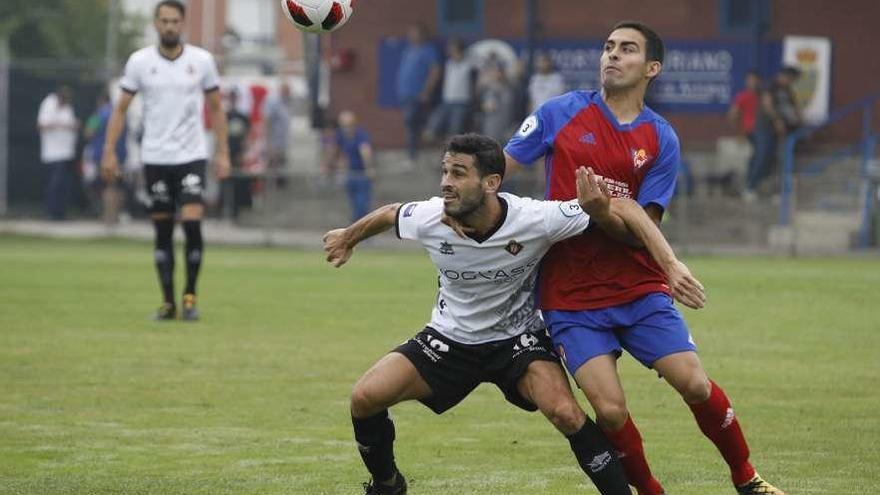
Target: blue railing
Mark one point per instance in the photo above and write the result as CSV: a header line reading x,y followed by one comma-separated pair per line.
x,y
865,146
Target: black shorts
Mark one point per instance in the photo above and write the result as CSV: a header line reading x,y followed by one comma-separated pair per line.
x,y
453,370
170,186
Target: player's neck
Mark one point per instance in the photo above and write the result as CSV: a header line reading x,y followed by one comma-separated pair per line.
x,y
172,52
626,105
484,219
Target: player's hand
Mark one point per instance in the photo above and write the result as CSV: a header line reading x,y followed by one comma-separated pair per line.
x,y
110,166
338,250
222,164
685,288
455,225
592,192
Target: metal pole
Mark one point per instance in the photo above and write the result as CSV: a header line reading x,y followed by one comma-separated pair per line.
x,y
4,122
111,39
869,178
785,205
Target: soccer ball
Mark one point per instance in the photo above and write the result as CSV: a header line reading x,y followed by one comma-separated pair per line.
x,y
317,16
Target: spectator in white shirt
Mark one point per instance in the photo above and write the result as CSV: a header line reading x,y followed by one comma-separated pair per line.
x,y
545,83
58,132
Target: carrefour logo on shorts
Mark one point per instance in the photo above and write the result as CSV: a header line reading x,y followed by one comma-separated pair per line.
x,y
528,126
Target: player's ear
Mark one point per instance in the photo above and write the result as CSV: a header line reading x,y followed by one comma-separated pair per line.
x,y
654,68
492,183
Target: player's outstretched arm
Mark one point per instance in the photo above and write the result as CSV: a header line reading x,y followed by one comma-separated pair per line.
x,y
339,243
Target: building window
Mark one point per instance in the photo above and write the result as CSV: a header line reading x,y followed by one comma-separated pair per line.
x,y
460,17
253,21
742,17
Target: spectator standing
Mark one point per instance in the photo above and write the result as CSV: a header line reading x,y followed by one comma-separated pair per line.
x,y
352,144
496,104
238,184
545,83
95,133
58,131
450,118
277,115
417,78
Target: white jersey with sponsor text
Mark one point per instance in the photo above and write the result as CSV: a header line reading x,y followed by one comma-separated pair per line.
x,y
173,93
487,288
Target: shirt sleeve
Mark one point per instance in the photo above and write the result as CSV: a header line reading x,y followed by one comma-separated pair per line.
x,y
211,78
410,216
564,219
130,80
659,183
44,115
532,139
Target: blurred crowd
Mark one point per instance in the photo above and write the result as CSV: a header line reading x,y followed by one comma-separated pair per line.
x,y
440,93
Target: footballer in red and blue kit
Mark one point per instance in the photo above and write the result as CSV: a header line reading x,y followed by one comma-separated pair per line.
x,y
600,295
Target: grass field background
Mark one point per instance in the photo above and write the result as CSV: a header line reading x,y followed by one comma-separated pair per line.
x,y
97,399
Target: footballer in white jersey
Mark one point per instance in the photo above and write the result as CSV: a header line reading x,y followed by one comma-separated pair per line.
x,y
484,326
487,283
175,80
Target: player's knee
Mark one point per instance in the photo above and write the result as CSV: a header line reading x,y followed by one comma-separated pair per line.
x,y
566,416
696,389
364,401
191,212
611,415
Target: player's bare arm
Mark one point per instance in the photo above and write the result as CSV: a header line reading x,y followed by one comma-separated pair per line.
x,y
109,160
339,243
218,124
623,213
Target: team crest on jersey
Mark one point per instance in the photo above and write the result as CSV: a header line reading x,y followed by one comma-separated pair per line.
x,y
640,157
513,247
190,69
446,248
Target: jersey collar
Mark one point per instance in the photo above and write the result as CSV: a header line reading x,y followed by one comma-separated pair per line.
x,y
483,238
642,116
182,49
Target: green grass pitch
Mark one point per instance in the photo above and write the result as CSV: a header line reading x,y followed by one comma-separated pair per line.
x,y
97,399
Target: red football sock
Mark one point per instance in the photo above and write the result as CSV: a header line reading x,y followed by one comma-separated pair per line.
x,y
717,421
628,443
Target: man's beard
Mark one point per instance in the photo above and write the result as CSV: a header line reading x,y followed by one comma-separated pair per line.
x,y
170,41
466,208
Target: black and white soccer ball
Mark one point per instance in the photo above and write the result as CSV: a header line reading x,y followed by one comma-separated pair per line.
x,y
317,16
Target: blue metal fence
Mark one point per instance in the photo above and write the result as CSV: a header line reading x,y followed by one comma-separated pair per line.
x,y
865,147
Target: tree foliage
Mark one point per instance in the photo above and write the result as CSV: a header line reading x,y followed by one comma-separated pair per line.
x,y
68,29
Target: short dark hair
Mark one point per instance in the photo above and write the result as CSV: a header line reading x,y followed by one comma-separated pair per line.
x,y
654,49
174,4
488,157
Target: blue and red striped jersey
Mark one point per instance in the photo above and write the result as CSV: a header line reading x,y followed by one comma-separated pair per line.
x,y
638,160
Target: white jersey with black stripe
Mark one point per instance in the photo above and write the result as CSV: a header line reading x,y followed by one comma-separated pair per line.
x,y
173,92
487,285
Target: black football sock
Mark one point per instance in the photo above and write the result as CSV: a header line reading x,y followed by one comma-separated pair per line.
x,y
164,256
597,458
375,439
194,249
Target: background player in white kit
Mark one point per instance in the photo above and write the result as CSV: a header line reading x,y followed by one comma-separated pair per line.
x,y
484,326
173,78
